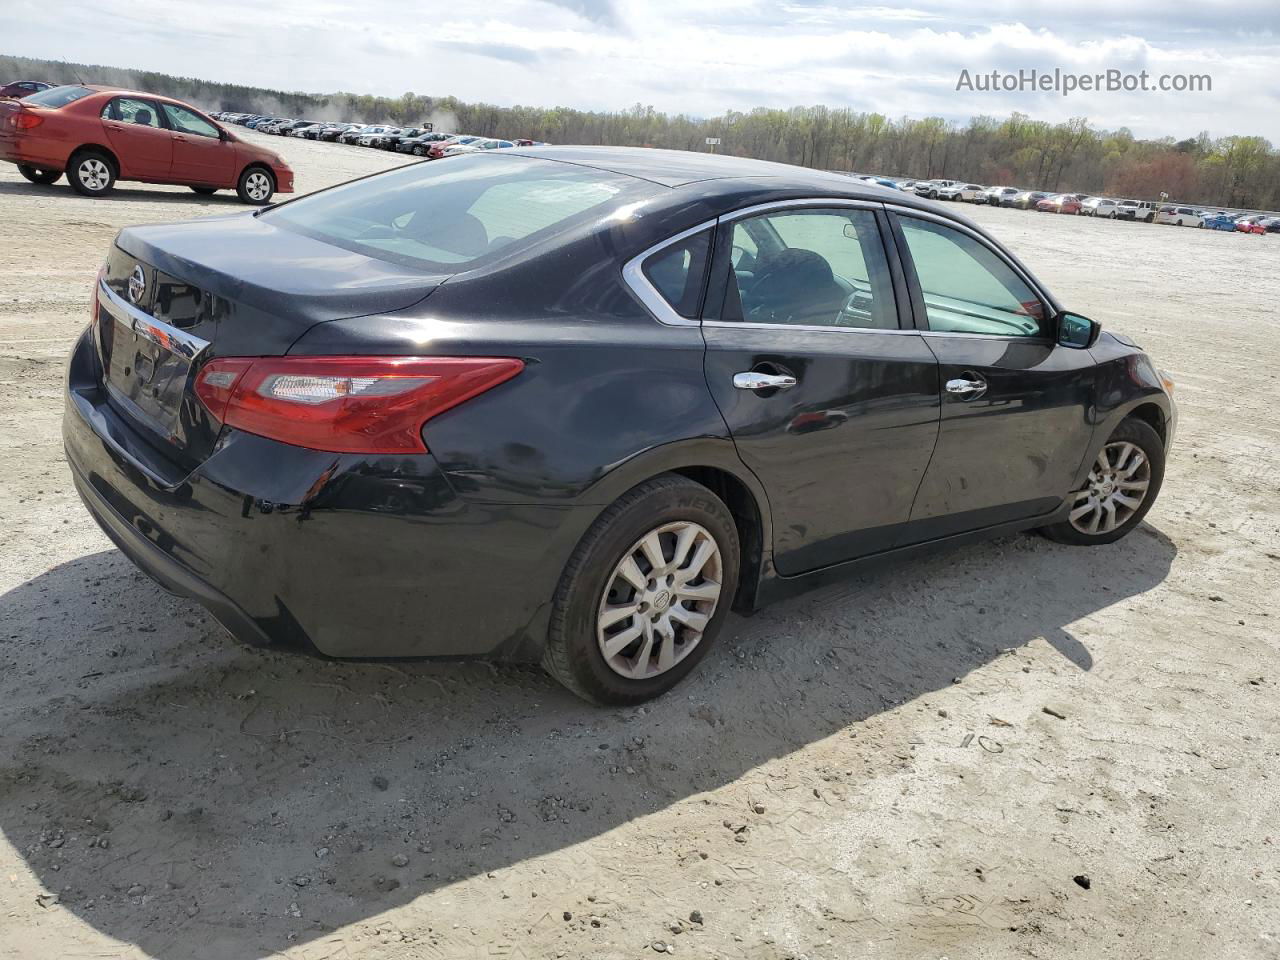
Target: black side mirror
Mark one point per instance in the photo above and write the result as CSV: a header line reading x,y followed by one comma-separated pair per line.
x,y
223,135
1077,331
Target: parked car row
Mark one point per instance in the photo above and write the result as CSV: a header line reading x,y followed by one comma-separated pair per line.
x,y
420,141
1080,204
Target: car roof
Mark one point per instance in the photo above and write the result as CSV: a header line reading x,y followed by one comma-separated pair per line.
x,y
676,168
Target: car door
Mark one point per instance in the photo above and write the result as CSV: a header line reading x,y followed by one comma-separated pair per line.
x,y
200,155
831,402
138,138
1016,406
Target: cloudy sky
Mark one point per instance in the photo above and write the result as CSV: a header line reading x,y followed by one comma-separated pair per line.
x,y
700,56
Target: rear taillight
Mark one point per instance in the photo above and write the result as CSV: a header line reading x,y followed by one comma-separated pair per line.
x,y
345,404
26,121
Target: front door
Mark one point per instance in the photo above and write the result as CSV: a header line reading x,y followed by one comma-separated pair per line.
x,y
831,402
200,155
138,138
1016,406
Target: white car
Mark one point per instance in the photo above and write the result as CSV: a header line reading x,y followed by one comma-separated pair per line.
x,y
930,188
1100,207
968,192
1180,216
998,196
475,146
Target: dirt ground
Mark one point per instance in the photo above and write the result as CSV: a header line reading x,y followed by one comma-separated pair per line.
x,y
867,771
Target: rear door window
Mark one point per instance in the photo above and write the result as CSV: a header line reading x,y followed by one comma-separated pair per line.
x,y
142,113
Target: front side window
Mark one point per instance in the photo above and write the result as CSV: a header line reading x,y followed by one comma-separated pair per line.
x,y
967,287
820,267
449,215
184,121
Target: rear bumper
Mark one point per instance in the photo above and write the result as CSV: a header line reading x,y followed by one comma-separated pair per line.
x,y
352,556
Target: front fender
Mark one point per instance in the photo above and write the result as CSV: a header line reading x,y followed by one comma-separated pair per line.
x,y
1126,381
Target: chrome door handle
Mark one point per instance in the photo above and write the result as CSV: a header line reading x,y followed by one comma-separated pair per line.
x,y
966,388
754,380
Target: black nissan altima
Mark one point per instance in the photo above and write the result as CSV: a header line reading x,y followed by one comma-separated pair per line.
x,y
572,405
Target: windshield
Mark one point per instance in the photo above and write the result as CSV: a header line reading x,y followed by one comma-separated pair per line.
x,y
459,212
57,96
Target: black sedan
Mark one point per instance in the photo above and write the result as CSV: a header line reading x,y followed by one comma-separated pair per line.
x,y
571,405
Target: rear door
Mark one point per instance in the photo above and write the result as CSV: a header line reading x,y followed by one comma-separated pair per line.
x,y
139,138
831,402
200,155
1015,405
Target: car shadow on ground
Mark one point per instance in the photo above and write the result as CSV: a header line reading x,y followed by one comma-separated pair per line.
x,y
61,191
253,799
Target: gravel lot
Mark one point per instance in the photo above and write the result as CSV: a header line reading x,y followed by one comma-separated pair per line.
x,y
870,770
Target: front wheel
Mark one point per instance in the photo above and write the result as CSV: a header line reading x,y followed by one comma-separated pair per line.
x,y
1121,487
256,186
37,175
644,594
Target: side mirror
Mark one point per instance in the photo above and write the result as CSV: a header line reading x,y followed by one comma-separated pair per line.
x,y
223,135
1077,331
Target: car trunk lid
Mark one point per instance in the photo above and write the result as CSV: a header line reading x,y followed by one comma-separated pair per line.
x,y
173,297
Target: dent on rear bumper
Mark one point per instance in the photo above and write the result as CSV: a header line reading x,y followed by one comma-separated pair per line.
x,y
358,557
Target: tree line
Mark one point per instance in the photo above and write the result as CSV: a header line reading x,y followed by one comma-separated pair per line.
x,y
1231,171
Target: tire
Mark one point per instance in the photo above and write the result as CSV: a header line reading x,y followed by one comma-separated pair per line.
x,y
39,175
205,191
255,186
418,151
1133,433
1200,224
91,173
1111,215
679,510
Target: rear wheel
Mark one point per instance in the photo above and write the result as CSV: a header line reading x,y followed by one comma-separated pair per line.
x,y
38,175
91,173
256,186
418,151
205,191
644,594
1121,487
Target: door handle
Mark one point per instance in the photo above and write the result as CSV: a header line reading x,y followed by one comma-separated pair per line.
x,y
178,136
754,380
966,389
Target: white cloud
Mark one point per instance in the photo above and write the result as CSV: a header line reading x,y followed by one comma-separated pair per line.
x,y
702,57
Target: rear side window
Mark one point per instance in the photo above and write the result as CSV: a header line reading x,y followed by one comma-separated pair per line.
x,y
142,113
446,216
57,96
678,271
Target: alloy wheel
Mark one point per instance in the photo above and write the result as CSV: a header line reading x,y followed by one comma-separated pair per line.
x,y
1115,490
257,185
94,174
659,599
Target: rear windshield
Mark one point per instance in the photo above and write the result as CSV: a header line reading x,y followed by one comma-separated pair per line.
x,y
57,96
459,211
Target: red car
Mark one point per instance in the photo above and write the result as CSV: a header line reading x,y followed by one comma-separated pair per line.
x,y
23,88
1251,224
98,135
1061,203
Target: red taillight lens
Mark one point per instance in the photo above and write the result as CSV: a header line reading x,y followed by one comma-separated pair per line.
x,y
26,121
345,404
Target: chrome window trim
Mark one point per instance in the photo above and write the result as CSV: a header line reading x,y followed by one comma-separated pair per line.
x,y
157,331
805,328
872,205
633,276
